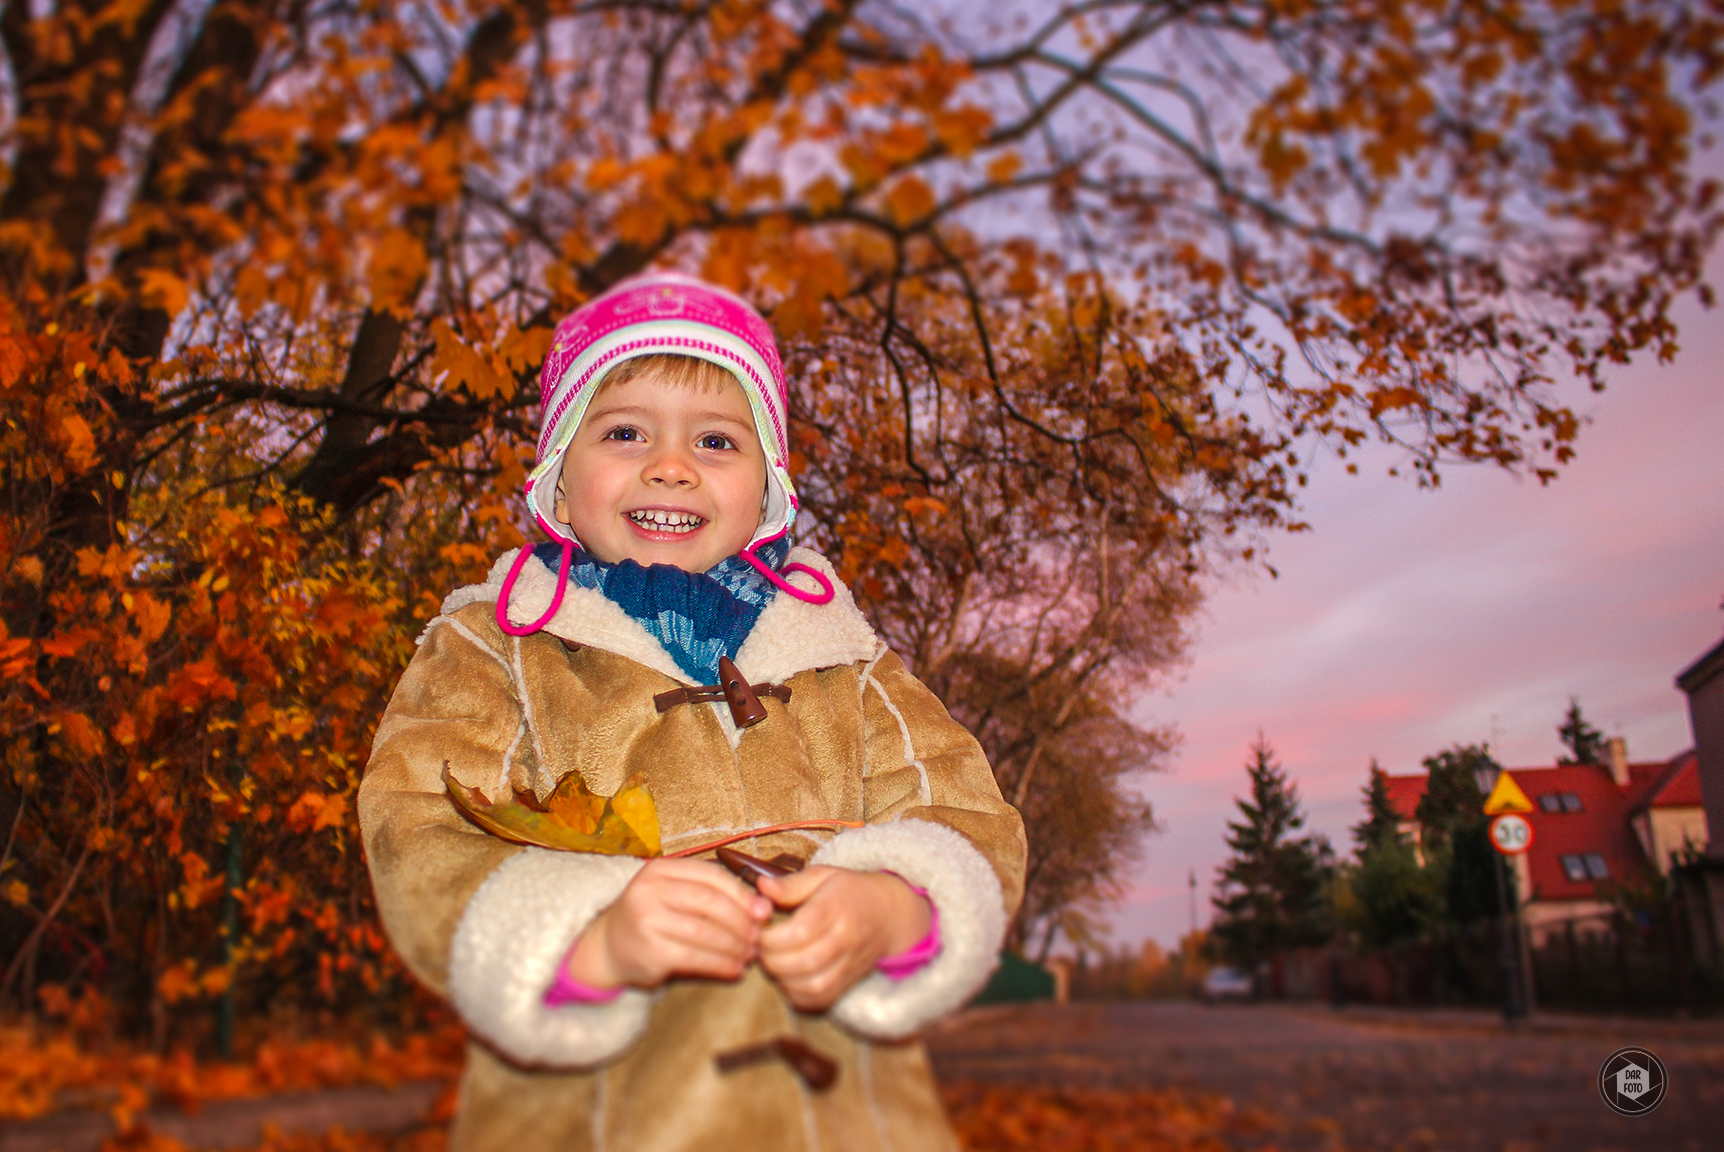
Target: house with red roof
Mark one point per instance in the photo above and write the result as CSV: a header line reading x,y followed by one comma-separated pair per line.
x,y
1671,822
1597,829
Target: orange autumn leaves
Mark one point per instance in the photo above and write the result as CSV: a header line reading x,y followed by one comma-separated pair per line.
x,y
572,818
208,679
40,1075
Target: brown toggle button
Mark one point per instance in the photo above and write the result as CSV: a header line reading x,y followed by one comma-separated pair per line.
x,y
746,709
750,869
817,1071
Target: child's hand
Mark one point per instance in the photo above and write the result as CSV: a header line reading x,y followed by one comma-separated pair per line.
x,y
676,918
844,923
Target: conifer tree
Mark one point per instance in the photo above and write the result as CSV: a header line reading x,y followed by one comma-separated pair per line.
x,y
1382,825
1274,888
1394,895
1585,743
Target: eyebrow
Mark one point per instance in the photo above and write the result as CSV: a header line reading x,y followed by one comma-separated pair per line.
x,y
700,417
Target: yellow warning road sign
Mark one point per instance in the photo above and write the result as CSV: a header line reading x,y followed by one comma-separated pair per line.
x,y
1506,797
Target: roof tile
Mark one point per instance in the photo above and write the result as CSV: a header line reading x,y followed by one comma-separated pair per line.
x,y
1602,825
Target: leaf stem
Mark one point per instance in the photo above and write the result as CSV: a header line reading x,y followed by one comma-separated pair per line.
x,y
793,826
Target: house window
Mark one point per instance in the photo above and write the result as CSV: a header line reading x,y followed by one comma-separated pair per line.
x,y
1561,802
1596,867
1550,802
1570,802
1574,868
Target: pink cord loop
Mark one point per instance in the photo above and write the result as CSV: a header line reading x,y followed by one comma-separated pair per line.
x,y
509,586
822,597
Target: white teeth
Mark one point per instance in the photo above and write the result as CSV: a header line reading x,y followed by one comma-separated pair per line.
x,y
660,521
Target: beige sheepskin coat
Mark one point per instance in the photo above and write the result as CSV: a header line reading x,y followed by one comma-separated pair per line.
x,y
485,922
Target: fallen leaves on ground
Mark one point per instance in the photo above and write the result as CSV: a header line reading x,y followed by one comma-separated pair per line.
x,y
428,1138
40,1073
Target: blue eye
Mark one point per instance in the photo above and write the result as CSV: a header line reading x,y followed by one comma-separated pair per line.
x,y
715,442
623,432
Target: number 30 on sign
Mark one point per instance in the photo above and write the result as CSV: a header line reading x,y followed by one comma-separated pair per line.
x,y
1511,834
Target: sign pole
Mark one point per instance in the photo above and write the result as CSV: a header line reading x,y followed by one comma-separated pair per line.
x,y
1523,940
1510,835
1514,1006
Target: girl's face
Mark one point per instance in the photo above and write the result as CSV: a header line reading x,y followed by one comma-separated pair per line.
x,y
662,473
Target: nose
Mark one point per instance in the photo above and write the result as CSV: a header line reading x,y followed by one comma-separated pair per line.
x,y
671,466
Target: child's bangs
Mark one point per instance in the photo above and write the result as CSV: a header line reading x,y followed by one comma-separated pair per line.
x,y
674,370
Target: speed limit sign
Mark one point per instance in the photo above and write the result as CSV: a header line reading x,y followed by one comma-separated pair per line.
x,y
1511,834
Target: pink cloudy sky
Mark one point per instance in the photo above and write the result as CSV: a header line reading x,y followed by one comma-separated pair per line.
x,y
1409,620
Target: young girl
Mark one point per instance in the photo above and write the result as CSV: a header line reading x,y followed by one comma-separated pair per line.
x,y
651,1005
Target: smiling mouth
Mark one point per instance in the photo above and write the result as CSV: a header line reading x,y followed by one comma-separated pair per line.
x,y
656,520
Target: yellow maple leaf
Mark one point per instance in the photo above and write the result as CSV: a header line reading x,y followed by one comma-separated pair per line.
x,y
635,805
573,818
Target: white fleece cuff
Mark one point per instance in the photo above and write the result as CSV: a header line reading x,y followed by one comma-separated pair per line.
x,y
962,885
514,932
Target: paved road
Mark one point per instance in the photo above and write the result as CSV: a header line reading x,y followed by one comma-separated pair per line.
x,y
1362,1079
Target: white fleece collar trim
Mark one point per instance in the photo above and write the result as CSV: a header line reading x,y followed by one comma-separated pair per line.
x,y
791,635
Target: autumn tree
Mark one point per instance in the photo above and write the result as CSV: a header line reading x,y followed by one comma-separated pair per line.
x,y
1274,890
1069,302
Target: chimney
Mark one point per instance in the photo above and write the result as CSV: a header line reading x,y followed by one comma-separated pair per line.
x,y
1619,761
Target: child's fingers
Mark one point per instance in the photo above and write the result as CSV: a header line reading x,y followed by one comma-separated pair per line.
x,y
696,900
713,877
792,890
813,921
658,940
694,949
688,911
816,937
694,885
835,937
690,960
802,959
814,976
682,916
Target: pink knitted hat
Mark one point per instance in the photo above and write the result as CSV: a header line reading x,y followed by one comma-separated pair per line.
x,y
653,313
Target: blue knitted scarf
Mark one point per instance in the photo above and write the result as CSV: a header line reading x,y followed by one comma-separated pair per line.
x,y
697,616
